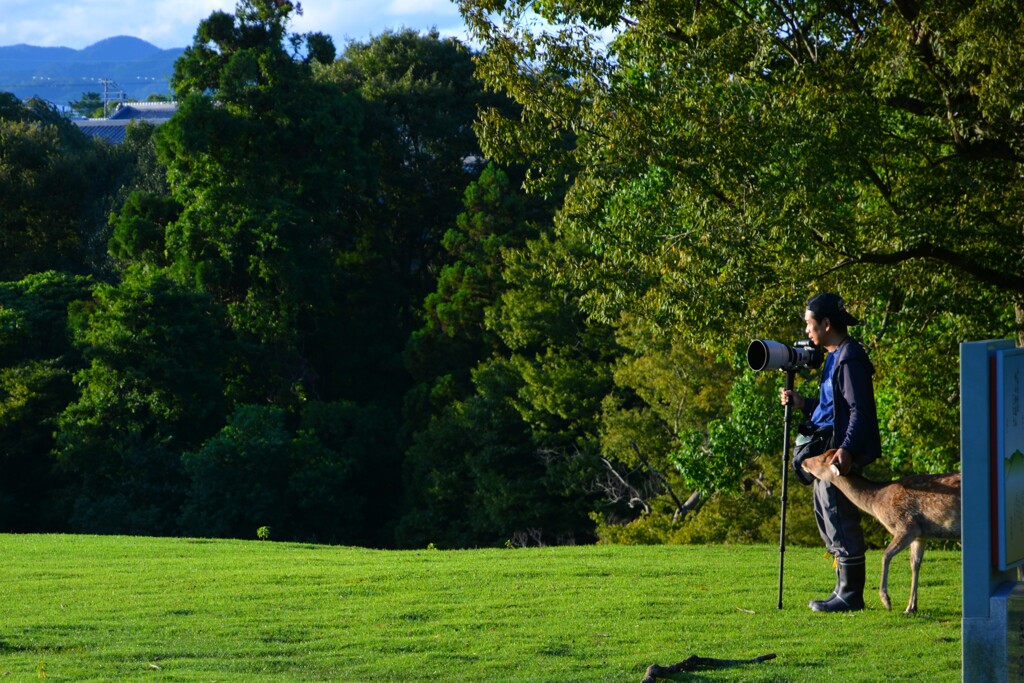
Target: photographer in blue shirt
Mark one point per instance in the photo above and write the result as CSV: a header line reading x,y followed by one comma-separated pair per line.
x,y
843,416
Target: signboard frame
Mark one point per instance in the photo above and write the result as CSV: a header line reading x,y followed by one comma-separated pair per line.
x,y
989,592
1008,458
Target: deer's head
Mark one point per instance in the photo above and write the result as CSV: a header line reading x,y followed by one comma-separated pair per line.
x,y
820,466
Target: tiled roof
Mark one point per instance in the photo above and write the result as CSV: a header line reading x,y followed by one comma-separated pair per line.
x,y
105,129
151,111
113,129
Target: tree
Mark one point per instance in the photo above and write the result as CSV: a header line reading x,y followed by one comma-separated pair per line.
x,y
467,441
454,336
56,190
420,99
35,387
534,415
730,159
309,482
265,163
139,228
90,106
151,389
312,198
239,477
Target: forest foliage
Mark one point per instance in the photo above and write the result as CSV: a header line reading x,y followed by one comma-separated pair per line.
x,y
410,292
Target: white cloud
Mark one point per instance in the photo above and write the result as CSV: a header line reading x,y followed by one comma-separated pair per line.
x,y
361,19
172,23
410,7
79,23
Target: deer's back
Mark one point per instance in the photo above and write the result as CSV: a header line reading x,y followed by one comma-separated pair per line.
x,y
929,502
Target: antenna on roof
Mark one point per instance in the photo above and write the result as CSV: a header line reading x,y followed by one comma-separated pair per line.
x,y
111,92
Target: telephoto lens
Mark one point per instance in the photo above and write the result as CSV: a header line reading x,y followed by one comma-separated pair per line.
x,y
765,354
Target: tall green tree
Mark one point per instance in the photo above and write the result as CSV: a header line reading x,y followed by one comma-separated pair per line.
x,y
454,336
467,439
420,98
525,442
312,199
265,163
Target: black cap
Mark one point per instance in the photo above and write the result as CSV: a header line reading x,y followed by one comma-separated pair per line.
x,y
831,306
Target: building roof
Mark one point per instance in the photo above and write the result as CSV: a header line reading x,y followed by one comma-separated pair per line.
x,y
150,111
113,129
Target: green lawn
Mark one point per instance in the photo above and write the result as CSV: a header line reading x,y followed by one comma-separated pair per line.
x,y
87,608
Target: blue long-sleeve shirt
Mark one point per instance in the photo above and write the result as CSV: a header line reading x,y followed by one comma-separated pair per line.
x,y
854,416
822,414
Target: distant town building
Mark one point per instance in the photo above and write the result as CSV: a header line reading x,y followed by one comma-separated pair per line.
x,y
113,129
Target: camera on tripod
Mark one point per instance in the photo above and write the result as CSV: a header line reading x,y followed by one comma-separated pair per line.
x,y
764,354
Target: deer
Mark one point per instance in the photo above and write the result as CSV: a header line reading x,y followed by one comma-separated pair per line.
x,y
912,509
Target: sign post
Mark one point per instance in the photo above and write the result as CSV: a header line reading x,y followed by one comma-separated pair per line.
x,y
992,510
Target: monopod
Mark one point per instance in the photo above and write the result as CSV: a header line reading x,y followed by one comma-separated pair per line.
x,y
790,373
764,354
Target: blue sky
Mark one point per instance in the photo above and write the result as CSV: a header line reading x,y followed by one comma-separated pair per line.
x,y
172,23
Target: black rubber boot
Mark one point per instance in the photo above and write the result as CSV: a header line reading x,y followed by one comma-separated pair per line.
x,y
816,604
848,595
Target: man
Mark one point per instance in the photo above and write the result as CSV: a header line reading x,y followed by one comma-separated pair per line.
x,y
843,416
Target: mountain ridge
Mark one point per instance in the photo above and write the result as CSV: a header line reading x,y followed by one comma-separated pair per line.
x,y
62,74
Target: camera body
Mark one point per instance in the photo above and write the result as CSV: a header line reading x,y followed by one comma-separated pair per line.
x,y
764,354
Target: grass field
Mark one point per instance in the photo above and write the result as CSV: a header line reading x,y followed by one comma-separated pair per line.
x,y
87,608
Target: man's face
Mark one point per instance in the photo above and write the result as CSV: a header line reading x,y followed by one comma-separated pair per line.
x,y
815,330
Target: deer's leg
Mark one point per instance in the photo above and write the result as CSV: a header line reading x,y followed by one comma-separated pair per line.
x,y
899,542
916,557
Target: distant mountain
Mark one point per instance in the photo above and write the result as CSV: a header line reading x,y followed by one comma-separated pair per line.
x,y
120,48
62,74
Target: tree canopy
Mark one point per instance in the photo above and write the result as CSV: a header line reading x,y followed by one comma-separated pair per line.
x,y
730,159
773,145
410,292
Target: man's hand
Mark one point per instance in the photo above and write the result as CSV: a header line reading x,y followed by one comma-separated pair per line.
x,y
842,462
788,396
